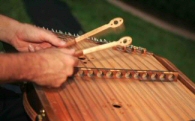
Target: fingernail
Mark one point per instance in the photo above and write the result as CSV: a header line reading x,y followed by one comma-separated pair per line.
x,y
38,48
62,42
31,48
72,50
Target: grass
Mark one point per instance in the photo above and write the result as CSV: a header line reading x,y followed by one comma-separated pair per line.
x,y
93,13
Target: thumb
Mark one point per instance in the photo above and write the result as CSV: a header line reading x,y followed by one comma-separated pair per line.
x,y
52,38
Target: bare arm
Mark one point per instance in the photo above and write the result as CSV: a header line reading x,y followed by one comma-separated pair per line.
x,y
48,67
21,35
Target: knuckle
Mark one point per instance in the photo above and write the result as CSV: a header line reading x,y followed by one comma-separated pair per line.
x,y
58,83
72,61
69,71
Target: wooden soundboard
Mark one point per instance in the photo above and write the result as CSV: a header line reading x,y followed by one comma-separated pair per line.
x,y
86,97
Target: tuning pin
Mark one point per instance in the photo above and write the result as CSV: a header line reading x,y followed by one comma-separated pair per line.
x,y
128,75
109,74
162,77
131,46
100,73
136,75
105,41
81,73
90,73
119,74
144,76
69,34
43,27
35,25
78,35
136,48
170,77
60,32
95,39
153,76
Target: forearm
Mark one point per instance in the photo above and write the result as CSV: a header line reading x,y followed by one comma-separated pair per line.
x,y
17,67
8,28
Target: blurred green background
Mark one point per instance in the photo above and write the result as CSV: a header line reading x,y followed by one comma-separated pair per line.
x,y
177,12
94,13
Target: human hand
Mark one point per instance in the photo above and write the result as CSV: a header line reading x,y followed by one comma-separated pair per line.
x,y
21,35
34,38
53,66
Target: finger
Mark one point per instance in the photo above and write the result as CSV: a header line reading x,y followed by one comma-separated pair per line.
x,y
37,48
45,45
76,62
69,71
40,35
31,48
70,68
59,82
73,61
34,47
67,51
53,39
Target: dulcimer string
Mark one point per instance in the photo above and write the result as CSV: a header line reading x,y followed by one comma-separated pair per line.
x,y
153,67
79,46
120,87
144,64
132,87
113,92
97,85
111,65
112,88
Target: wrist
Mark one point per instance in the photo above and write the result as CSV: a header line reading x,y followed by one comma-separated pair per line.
x,y
32,66
19,67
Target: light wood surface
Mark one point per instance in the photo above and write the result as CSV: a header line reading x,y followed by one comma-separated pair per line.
x,y
124,42
113,24
89,99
